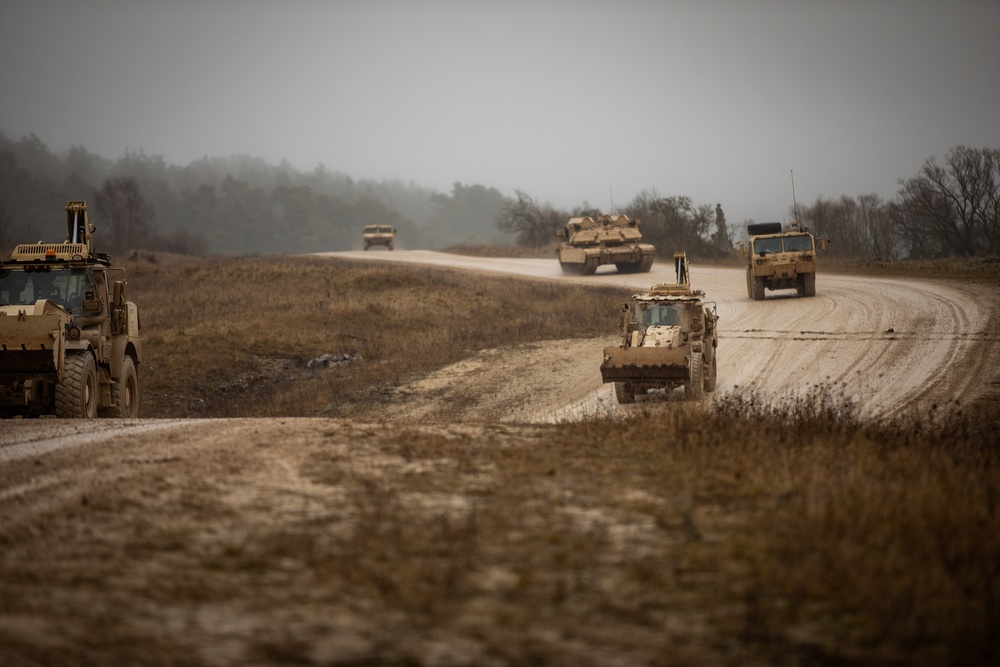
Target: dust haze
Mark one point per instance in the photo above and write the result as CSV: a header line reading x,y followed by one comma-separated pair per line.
x,y
573,102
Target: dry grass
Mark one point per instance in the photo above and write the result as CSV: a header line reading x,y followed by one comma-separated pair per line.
x,y
232,337
745,531
983,269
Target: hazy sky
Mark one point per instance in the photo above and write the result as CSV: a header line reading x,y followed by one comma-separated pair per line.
x,y
569,101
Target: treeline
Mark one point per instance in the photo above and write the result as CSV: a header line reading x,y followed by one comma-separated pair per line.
x,y
669,223
245,205
949,209
946,210
235,205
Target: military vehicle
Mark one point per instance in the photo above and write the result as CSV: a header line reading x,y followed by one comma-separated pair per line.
x,y
589,242
378,235
669,340
780,259
69,337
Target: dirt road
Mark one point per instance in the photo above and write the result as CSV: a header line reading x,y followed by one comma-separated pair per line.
x,y
892,344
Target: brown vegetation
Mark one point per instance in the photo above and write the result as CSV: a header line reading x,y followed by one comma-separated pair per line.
x,y
746,530
229,337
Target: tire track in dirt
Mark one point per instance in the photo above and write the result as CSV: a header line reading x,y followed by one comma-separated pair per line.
x,y
24,438
891,344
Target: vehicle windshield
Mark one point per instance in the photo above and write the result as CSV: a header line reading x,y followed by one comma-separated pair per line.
x,y
661,314
763,246
798,243
65,287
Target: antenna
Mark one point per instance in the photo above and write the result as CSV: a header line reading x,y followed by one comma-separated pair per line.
x,y
795,205
611,196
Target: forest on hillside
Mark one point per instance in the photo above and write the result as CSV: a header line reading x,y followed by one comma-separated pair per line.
x,y
243,205
234,205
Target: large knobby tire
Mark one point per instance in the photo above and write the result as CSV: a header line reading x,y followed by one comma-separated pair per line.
x,y
624,392
809,284
126,392
695,386
78,394
758,288
709,383
749,283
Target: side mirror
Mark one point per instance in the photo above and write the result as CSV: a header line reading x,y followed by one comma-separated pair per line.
x,y
119,299
91,304
743,249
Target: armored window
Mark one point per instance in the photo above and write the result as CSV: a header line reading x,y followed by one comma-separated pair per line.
x,y
798,243
762,246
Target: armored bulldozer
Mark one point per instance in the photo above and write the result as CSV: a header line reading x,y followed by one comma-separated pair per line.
x,y
590,242
669,340
780,259
378,235
69,336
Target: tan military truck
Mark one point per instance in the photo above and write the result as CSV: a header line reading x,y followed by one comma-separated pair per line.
x,y
590,242
378,235
69,337
780,259
669,340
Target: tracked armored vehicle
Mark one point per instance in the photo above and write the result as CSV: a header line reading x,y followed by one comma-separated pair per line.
x,y
669,340
69,337
590,242
780,259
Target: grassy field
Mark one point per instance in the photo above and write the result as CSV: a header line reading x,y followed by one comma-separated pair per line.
x,y
233,337
769,531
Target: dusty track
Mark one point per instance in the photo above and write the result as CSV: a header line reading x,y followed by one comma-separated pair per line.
x,y
892,344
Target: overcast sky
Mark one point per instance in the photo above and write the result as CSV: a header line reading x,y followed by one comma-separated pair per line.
x,y
571,102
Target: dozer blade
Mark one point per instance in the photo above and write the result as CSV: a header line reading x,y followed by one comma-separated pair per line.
x,y
31,347
638,364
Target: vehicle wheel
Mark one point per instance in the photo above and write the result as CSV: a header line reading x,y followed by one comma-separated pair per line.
x,y
709,383
126,392
77,394
389,245
749,283
366,246
809,284
694,387
758,289
624,392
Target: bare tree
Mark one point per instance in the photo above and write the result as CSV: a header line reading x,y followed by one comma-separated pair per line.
x,y
675,223
533,225
878,226
6,226
721,236
121,206
952,209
